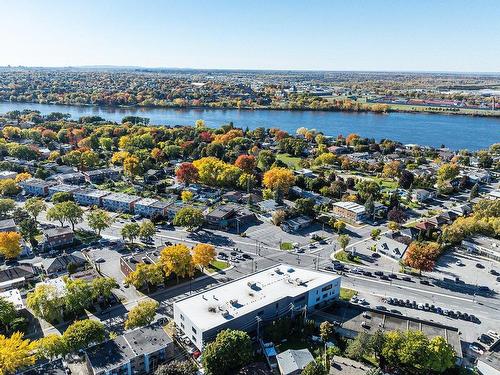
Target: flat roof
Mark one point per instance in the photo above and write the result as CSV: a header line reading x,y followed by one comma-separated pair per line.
x,y
64,188
13,296
146,201
122,197
351,206
7,223
95,193
219,305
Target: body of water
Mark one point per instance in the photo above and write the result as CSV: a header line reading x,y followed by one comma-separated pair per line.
x,y
455,132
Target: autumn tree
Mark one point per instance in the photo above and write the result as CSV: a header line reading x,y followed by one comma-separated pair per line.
x,y
10,244
247,163
15,353
144,276
421,255
177,259
8,187
343,241
278,179
23,176
187,173
142,314
392,169
147,230
99,220
46,302
203,255
186,196
131,166
6,206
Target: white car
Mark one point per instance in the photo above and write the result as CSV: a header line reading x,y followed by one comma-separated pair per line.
x,y
459,263
476,349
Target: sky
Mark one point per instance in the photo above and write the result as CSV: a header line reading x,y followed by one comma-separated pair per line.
x,y
388,35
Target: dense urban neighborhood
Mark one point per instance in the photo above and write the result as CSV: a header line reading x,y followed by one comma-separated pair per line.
x,y
130,248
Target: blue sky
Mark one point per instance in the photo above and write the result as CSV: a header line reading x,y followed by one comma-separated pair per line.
x,y
429,35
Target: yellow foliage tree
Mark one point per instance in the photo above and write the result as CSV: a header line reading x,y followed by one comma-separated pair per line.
x,y
203,255
10,244
22,177
15,352
131,166
177,259
186,196
278,179
119,156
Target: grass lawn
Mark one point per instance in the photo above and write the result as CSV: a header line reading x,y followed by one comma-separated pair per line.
x,y
386,183
85,236
286,246
217,265
291,161
344,257
346,294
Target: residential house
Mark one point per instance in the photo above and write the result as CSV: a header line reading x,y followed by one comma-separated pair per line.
x,y
228,215
5,175
421,195
59,265
57,237
297,223
153,176
16,277
36,186
306,173
292,362
149,207
8,225
462,210
90,197
338,150
63,188
13,296
128,263
74,178
317,198
349,211
101,175
120,202
140,351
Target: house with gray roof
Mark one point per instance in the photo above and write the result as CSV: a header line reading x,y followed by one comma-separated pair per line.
x,y
292,362
8,225
120,202
90,197
59,265
393,245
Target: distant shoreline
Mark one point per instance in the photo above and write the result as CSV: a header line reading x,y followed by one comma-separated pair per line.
x,y
423,110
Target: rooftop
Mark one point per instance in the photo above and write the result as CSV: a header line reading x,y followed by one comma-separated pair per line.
x,y
146,201
351,206
13,296
65,188
7,224
57,231
122,197
96,193
292,360
216,306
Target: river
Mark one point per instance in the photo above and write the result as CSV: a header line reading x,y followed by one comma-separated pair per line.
x,y
454,131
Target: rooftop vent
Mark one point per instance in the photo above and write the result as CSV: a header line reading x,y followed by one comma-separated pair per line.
x,y
290,270
278,271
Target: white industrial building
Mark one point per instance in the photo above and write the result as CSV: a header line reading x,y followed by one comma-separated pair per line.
x,y
248,302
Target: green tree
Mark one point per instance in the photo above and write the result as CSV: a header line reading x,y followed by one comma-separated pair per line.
x,y
227,353
102,287
99,220
78,296
370,207
130,231
474,192
377,341
66,211
28,229
314,368
35,206
62,196
441,355
147,229
375,233
343,241
177,368
6,206
46,302
50,346
142,314
339,226
325,330
188,217
304,206
359,347
7,313
82,333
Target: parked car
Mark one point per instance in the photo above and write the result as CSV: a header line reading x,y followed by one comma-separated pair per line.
x,y
406,278
476,349
424,282
479,265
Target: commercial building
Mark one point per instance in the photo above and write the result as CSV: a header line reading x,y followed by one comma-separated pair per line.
x,y
251,301
36,186
350,211
486,246
140,351
228,215
120,202
90,197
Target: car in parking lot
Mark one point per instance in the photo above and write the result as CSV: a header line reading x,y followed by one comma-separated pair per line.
x,y
424,282
406,278
476,349
384,277
479,265
222,255
494,272
375,255
100,260
378,273
246,256
459,263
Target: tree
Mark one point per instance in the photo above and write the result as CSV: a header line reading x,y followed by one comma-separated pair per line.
x,y
131,166
278,179
82,333
367,188
23,176
45,302
339,226
187,173
247,163
203,255
375,233
343,241
474,192
441,355
7,313
421,255
227,353
8,187
79,295
102,287
50,346
393,226
142,314
99,220
176,259
448,171
35,206
145,275
278,217
397,215
66,211
130,231
177,368
266,159
391,169
377,341
484,159
186,196
359,347
314,368
147,230
6,206
188,217
304,206
406,179
62,196
15,353
325,330
370,207
10,244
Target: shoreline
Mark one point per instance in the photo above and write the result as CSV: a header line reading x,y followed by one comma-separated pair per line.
x,y
435,111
